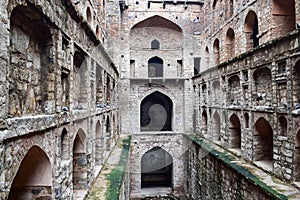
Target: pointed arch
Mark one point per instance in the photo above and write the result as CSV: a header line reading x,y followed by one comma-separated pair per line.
x,y
263,140
207,57
283,125
38,164
156,168
89,15
230,43
204,122
246,116
251,30
79,161
216,127
235,132
156,112
216,48
64,144
158,21
99,144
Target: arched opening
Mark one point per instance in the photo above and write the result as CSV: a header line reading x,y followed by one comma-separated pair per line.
x,y
97,32
297,157
31,53
79,161
156,113
99,144
108,134
296,85
251,30
204,93
216,48
263,141
156,168
108,90
34,174
283,17
204,122
230,43
64,145
216,127
89,15
235,132
155,67
207,57
158,22
283,125
155,44
99,87
246,115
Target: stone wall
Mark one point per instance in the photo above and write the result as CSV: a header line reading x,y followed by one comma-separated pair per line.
x,y
59,96
211,174
259,98
140,144
228,27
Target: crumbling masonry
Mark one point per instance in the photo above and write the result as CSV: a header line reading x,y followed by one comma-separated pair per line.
x,y
190,81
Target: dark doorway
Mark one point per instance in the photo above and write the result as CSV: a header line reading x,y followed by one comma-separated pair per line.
x,y
156,113
155,67
156,168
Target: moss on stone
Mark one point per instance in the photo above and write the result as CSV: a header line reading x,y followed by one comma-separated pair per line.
x,y
115,177
226,159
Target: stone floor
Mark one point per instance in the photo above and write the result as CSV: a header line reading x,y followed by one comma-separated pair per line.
x,y
98,190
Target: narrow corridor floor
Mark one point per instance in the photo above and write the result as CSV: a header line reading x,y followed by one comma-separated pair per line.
x,y
101,184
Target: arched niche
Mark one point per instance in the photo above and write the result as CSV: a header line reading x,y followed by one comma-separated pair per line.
x,y
34,173
230,43
79,161
204,122
251,30
216,48
156,112
263,141
155,67
216,127
155,44
99,145
156,168
235,132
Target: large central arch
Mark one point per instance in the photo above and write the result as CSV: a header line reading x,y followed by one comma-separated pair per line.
x,y
158,21
156,113
156,168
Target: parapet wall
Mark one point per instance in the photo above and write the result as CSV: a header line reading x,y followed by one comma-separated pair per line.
x,y
214,173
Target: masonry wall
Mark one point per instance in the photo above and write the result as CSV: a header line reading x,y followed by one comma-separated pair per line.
x,y
208,177
228,27
140,144
252,95
59,101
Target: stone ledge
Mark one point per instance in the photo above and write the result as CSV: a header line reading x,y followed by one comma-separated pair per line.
x,y
274,187
23,125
